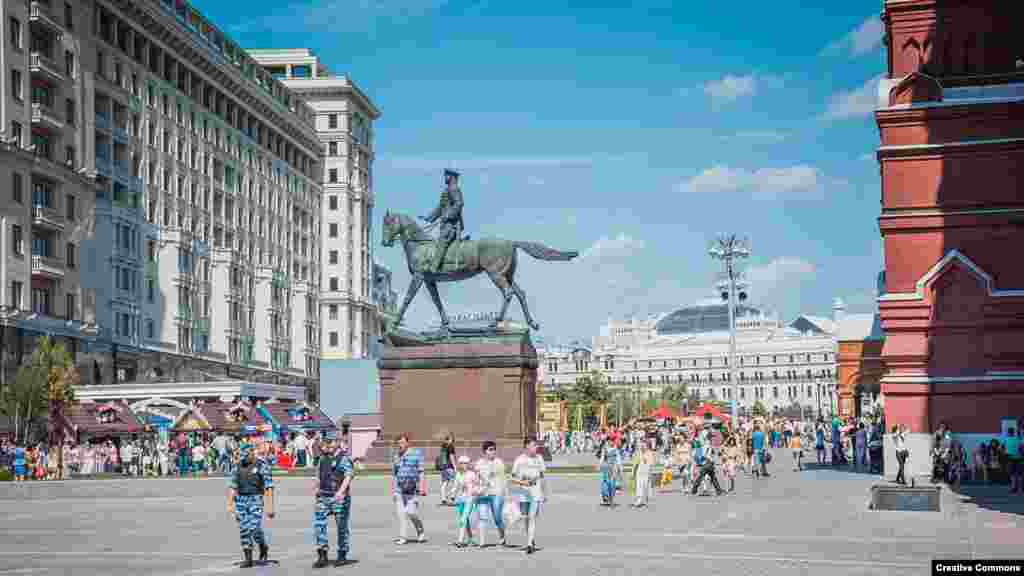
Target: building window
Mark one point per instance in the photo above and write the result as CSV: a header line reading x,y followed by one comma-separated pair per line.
x,y
69,20
332,257
69,207
333,283
17,187
69,63
16,133
70,255
17,241
332,312
332,121
69,111
150,329
16,33
332,202
332,175
41,301
334,339
332,148
69,307
332,230
16,89
15,296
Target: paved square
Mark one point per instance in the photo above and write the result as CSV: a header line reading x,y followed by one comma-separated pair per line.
x,y
814,522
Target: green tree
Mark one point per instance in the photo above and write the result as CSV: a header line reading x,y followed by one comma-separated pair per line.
x,y
675,395
24,401
586,394
759,409
592,388
47,382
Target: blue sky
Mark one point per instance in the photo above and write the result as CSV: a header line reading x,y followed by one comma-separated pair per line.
x,y
632,134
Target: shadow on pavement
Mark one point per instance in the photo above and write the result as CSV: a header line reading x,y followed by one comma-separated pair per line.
x,y
995,497
842,468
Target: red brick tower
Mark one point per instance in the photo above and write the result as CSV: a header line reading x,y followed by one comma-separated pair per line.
x,y
951,119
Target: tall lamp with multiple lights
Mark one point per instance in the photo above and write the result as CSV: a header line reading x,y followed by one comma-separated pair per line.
x,y
731,248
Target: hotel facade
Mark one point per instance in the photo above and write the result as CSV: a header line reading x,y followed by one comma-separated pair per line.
x,y
162,198
351,318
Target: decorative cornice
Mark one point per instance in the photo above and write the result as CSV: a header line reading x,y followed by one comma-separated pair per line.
x,y
990,376
903,150
893,213
332,86
934,271
468,361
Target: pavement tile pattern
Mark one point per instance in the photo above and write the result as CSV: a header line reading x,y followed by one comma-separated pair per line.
x,y
810,522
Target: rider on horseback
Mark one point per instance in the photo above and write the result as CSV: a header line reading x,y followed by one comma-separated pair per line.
x,y
449,212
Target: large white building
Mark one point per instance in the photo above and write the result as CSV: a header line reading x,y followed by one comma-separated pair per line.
x,y
169,189
350,318
782,365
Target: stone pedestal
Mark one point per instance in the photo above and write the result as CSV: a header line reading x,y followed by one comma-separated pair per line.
x,y
477,386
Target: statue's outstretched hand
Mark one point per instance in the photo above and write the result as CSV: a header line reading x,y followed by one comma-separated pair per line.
x,y
425,218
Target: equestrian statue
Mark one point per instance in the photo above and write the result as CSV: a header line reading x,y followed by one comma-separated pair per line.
x,y
453,257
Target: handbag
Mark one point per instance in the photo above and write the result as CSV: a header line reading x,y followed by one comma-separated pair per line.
x,y
767,457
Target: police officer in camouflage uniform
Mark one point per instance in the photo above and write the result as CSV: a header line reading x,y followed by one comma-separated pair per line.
x,y
252,491
333,499
449,212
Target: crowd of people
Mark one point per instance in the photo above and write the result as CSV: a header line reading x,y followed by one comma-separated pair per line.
x,y
181,454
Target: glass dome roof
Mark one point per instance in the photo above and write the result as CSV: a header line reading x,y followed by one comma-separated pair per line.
x,y
701,318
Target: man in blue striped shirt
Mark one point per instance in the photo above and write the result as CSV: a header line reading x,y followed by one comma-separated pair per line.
x,y
408,481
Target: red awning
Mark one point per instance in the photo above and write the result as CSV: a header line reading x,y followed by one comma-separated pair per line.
x,y
663,412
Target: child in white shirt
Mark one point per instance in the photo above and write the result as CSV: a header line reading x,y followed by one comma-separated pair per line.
x,y
466,489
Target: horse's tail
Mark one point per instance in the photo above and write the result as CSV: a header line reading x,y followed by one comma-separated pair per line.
x,y
542,252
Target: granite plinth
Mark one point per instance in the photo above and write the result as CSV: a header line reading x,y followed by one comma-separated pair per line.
x,y
906,498
478,386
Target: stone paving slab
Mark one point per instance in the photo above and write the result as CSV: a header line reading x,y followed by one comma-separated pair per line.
x,y
811,522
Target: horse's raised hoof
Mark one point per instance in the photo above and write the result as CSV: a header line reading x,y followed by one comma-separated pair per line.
x,y
534,325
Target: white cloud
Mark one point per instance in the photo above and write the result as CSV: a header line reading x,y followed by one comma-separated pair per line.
x,y
720,178
731,88
863,39
777,281
341,15
757,136
854,103
606,250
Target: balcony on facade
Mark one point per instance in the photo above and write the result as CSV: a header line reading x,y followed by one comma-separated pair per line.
x,y
39,13
47,267
44,66
44,116
47,217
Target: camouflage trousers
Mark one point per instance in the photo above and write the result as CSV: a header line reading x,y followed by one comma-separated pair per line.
x,y
249,513
328,506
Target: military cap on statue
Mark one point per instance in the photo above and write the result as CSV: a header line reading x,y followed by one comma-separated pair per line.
x,y
449,172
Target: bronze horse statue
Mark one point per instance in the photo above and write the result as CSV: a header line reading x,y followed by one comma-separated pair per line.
x,y
463,260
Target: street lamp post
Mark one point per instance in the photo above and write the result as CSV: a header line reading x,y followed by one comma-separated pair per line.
x,y
729,249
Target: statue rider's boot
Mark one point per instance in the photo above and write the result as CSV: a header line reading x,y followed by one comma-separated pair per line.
x,y
321,558
247,562
264,552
